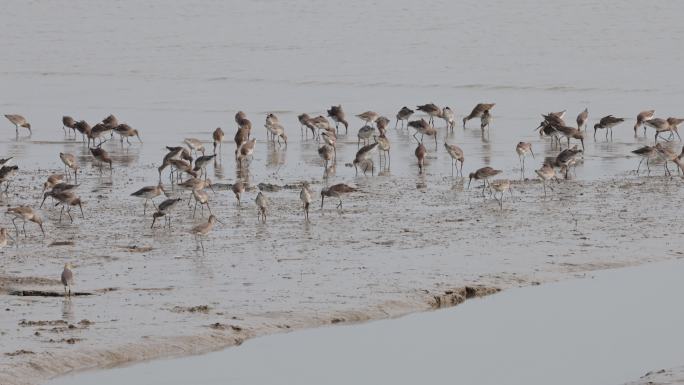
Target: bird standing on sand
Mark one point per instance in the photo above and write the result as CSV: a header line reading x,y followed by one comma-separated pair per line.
x,y
423,128
607,122
201,198
305,197
500,186
483,174
477,111
522,149
67,279
568,158
261,204
363,157
383,148
456,154
148,193
25,213
203,229
164,210
337,191
546,173
19,121
238,188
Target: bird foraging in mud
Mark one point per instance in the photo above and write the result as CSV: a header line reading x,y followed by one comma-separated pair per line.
x,y
337,191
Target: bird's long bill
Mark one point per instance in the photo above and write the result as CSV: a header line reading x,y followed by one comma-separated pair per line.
x,y
81,207
322,197
219,221
469,180
533,152
582,141
139,138
41,228
212,189
41,203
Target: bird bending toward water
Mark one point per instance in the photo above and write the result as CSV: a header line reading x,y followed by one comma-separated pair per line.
x,y
477,111
336,191
19,121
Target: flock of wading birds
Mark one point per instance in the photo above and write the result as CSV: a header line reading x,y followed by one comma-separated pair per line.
x,y
180,161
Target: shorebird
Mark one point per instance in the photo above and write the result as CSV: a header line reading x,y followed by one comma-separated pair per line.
x,y
174,153
305,197
382,123
423,128
110,121
420,155
485,120
646,153
449,117
201,197
67,279
261,204
432,110
336,190
547,173
522,149
57,189
67,199
582,119
7,173
148,193
238,188
674,125
201,164
337,115
164,210
180,166
52,181
326,152
19,121
196,184
68,122
383,147
501,185
483,174
363,156
667,155
241,136
276,130
4,235
304,121
218,135
102,157
330,139
403,115
368,116
641,118
271,120
321,124
660,125
551,120
456,155
477,111
126,131
364,134
567,158
203,229
194,145
571,133
25,213
97,132
607,122
84,128
246,150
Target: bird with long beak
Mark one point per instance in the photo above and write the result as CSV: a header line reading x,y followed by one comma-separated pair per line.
x,y
25,213
483,174
337,191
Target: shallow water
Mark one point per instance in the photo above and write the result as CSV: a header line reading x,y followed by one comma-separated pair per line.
x,y
607,328
182,69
